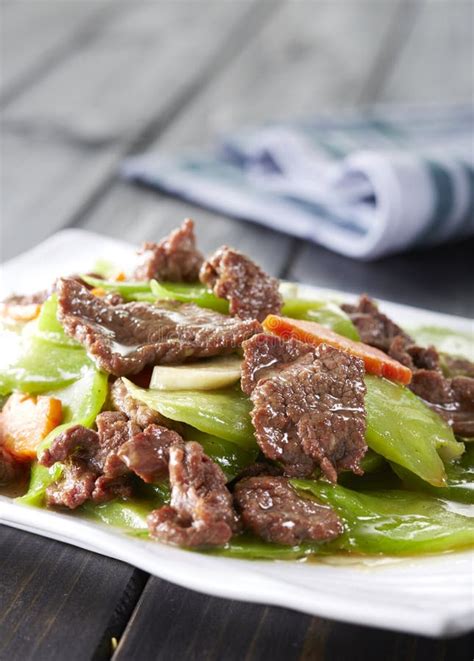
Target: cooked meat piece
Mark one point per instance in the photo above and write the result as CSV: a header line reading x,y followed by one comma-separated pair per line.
x,y
257,469
272,509
136,411
112,298
174,259
374,327
10,469
123,338
201,511
453,366
147,453
413,356
268,354
74,488
310,411
251,293
92,467
452,399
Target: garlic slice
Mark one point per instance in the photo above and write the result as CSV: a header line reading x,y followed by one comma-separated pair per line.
x,y
204,375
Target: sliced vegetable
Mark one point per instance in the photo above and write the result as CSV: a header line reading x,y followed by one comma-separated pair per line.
x,y
127,289
401,428
232,458
395,522
41,357
49,328
130,514
26,421
460,479
445,340
198,294
124,514
204,375
325,313
372,462
221,413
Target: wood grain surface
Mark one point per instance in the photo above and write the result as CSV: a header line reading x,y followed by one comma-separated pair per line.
x,y
85,83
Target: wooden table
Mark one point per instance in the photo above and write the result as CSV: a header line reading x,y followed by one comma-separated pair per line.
x,y
86,83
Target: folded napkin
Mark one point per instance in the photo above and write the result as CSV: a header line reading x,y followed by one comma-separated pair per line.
x,y
364,186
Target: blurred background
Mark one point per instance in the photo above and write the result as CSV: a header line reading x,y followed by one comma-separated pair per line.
x,y
86,83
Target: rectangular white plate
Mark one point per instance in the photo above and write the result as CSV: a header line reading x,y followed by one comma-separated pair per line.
x,y
428,595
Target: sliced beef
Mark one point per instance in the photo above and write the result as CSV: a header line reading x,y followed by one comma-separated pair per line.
x,y
413,356
123,338
268,354
272,509
201,511
309,411
147,453
257,469
11,470
374,327
452,398
92,467
136,411
251,293
174,259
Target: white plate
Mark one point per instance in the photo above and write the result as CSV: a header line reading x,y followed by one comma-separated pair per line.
x,y
428,595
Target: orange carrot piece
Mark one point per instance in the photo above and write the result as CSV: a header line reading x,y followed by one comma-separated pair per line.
x,y
120,277
26,420
20,312
376,362
98,291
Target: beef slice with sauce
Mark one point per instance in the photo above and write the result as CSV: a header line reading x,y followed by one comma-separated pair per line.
x,y
270,508
252,294
124,338
201,511
174,259
308,405
92,469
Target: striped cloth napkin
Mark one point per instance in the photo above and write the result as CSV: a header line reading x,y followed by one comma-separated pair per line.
x,y
363,186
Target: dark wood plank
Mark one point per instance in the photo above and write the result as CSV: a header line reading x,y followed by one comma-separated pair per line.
x,y
309,58
61,602
130,71
55,165
435,65
170,622
35,35
139,214
43,183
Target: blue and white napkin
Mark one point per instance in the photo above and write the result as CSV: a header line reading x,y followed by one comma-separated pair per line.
x,y
363,186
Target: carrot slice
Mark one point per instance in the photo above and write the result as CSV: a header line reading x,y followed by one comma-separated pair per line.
x,y
18,312
98,291
26,420
376,362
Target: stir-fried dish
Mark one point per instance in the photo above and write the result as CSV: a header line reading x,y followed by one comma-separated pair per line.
x,y
201,403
